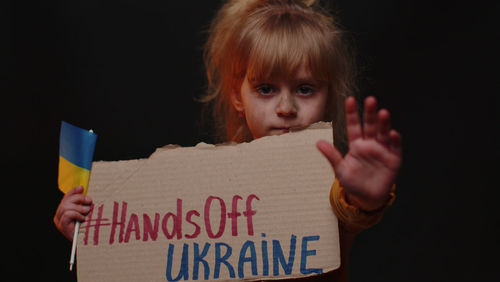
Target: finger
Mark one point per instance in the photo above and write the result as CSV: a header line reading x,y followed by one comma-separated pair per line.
x,y
76,190
82,209
395,142
72,215
353,126
66,227
70,202
67,224
384,127
71,193
330,152
370,118
79,199
67,221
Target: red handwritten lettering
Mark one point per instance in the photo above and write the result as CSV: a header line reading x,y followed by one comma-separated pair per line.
x,y
171,223
249,213
222,223
233,215
96,223
115,222
133,226
149,230
197,229
177,222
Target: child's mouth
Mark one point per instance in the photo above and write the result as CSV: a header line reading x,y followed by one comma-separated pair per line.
x,y
282,129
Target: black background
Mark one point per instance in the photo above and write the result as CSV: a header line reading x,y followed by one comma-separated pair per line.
x,y
131,69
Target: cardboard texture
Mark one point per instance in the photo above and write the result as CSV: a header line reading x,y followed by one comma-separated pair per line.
x,y
251,211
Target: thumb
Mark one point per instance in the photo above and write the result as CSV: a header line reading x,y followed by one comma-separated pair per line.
x,y
330,152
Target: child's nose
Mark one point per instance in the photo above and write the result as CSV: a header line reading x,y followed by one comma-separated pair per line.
x,y
286,105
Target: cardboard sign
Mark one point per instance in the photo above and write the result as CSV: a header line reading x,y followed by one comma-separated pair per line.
x,y
251,211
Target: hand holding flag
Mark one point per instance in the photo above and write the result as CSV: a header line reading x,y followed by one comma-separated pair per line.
x,y
75,161
72,209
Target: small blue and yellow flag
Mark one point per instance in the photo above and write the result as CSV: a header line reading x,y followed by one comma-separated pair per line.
x,y
76,151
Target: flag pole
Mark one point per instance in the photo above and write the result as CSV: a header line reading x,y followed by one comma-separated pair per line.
x,y
73,248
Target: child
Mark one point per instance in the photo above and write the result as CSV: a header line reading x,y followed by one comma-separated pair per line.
x,y
273,65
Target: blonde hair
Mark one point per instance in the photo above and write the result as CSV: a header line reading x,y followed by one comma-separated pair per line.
x,y
267,38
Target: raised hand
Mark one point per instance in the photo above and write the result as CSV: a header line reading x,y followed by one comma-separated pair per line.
x,y
370,167
74,206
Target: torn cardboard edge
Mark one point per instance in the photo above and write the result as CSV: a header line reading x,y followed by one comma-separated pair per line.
x,y
250,211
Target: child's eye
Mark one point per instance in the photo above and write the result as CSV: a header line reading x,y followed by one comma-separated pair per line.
x,y
265,89
305,90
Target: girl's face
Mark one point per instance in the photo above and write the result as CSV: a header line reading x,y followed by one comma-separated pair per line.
x,y
273,107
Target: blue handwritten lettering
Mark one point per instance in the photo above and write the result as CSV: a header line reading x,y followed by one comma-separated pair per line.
x,y
223,259
184,269
279,258
305,253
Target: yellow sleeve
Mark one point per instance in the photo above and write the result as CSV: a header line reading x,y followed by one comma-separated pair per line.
x,y
351,218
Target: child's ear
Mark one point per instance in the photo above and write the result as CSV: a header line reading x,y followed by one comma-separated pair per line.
x,y
236,100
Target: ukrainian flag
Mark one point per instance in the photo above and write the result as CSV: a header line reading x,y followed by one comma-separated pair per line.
x,y
76,151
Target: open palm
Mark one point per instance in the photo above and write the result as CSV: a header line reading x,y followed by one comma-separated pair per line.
x,y
370,167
